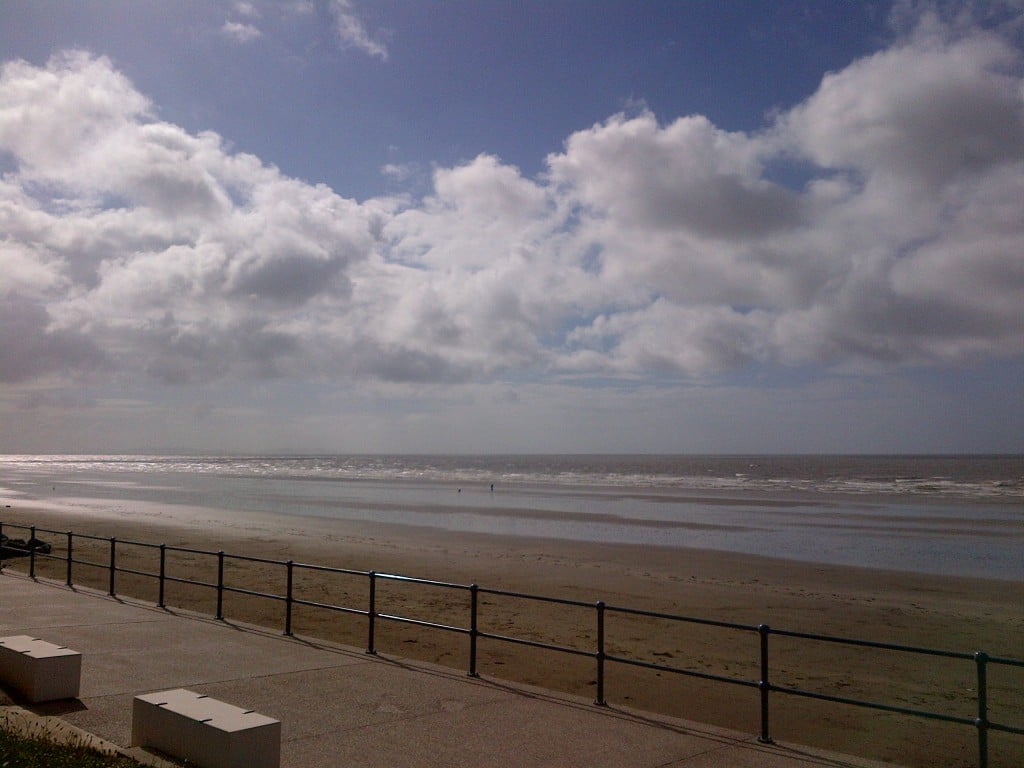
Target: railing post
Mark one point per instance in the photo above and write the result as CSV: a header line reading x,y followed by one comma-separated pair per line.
x,y
113,564
163,574
372,613
288,600
764,686
600,701
32,552
71,559
473,588
220,584
981,659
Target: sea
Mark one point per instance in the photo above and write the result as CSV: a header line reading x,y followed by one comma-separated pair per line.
x,y
949,515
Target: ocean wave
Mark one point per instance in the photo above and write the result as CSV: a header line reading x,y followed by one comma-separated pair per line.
x,y
964,478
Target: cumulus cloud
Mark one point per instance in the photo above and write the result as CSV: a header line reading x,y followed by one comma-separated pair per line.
x,y
903,246
687,175
158,247
923,112
668,248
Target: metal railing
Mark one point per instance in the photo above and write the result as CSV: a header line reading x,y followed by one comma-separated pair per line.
x,y
599,654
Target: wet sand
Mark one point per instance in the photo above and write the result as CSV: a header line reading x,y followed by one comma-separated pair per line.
x,y
956,614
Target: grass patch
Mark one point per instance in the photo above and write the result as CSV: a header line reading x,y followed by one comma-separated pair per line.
x,y
27,751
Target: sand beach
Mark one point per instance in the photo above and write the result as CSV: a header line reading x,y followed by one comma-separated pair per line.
x,y
958,614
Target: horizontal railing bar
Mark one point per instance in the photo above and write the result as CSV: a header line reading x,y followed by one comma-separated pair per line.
x,y
537,644
251,559
28,528
50,556
872,644
677,617
329,606
1006,661
131,543
329,569
194,582
88,536
874,705
421,623
121,569
538,598
1005,728
104,566
415,580
191,551
679,671
254,593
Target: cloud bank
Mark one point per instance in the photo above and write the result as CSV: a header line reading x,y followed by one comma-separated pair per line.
x,y
878,223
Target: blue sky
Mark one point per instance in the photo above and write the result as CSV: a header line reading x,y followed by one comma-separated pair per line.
x,y
492,226
459,78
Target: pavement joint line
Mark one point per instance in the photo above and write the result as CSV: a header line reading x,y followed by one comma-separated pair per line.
x,y
398,718
220,681
108,624
774,748
270,676
708,751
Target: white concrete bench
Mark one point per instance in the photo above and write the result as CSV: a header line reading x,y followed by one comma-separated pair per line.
x,y
205,731
39,670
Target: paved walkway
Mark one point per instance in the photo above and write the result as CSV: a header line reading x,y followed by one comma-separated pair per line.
x,y
340,707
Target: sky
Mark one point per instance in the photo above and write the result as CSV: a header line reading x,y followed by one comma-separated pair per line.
x,y
479,226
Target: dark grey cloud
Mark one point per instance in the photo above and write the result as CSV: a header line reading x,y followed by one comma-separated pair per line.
x,y
31,348
290,278
395,364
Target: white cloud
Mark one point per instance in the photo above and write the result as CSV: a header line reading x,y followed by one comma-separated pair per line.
x,y
352,32
689,175
167,253
925,111
300,7
240,32
133,247
400,172
246,9
904,246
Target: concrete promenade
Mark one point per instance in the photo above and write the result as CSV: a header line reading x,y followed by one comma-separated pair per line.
x,y
341,707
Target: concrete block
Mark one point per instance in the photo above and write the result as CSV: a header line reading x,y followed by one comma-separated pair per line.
x,y
205,731
39,670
